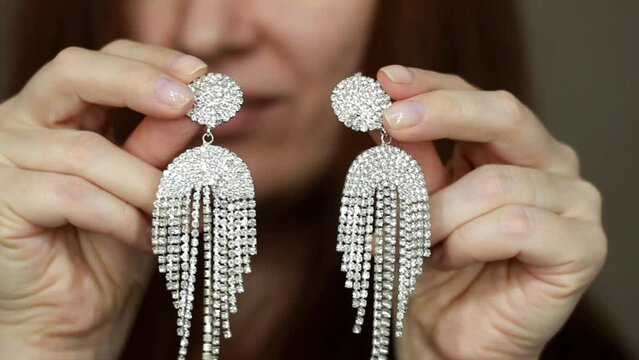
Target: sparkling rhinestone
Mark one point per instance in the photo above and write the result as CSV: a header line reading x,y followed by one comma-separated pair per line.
x,y
217,99
358,102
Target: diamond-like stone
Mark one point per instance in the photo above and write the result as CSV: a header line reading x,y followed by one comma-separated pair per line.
x,y
385,204
358,102
217,99
188,181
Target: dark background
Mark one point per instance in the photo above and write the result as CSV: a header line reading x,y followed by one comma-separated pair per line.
x,y
584,56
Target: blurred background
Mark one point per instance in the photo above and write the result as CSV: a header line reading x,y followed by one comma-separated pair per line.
x,y
583,58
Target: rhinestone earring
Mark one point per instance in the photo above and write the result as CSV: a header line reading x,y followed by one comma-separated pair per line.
x,y
384,207
215,181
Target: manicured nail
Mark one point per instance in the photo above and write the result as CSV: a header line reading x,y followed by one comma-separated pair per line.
x,y
399,74
404,114
172,93
188,65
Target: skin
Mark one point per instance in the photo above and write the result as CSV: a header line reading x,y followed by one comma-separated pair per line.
x,y
243,39
517,231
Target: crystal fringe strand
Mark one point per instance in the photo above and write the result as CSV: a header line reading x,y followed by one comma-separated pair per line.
x,y
211,184
384,211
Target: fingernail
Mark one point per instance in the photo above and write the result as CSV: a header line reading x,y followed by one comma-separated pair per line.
x,y
404,114
172,93
188,65
399,74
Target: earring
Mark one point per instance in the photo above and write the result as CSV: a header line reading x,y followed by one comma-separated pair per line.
x,y
384,210
215,181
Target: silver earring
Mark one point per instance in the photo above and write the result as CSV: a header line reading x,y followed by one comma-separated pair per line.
x,y
384,210
212,186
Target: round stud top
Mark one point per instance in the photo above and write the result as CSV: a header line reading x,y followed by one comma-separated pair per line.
x,y
358,101
217,99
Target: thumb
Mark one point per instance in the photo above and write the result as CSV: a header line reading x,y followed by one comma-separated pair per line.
x,y
158,141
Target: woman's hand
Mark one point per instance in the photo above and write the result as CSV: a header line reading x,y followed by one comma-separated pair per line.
x,y
517,232
74,239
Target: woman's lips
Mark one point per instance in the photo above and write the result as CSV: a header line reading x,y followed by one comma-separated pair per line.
x,y
246,118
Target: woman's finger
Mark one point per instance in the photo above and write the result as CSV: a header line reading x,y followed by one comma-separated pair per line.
x,y
534,236
154,140
495,118
49,200
157,141
183,67
490,187
86,155
402,82
78,77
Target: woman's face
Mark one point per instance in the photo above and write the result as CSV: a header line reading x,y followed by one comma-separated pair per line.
x,y
287,55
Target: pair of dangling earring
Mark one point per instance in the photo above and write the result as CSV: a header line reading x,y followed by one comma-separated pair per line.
x,y
384,213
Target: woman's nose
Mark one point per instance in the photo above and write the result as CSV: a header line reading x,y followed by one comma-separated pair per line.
x,y
213,27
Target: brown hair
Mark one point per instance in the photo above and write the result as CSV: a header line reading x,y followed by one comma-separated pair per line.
x,y
476,39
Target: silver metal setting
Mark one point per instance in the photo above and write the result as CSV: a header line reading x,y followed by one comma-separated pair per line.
x,y
358,102
207,194
384,212
217,99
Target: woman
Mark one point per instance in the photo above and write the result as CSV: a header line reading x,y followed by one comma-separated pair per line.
x,y
517,232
